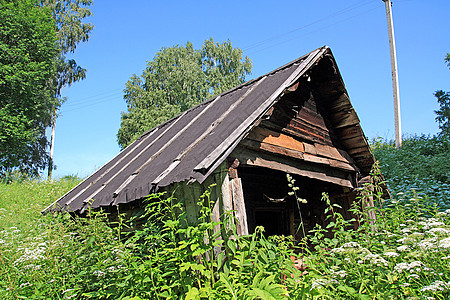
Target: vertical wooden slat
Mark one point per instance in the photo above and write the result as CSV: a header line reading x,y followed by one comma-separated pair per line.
x,y
239,206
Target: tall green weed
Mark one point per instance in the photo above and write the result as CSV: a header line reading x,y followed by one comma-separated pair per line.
x,y
420,167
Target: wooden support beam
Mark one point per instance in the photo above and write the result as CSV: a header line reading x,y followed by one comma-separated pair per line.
x,y
239,207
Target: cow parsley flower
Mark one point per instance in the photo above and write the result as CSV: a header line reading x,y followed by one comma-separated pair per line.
x,y
445,243
375,259
438,285
438,231
412,266
403,248
351,245
427,244
98,273
341,274
391,254
321,282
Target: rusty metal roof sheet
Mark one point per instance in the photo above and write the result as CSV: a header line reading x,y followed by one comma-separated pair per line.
x,y
187,147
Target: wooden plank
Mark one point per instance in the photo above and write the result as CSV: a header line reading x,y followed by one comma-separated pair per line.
x,y
239,207
342,103
271,148
342,165
345,118
309,148
292,131
310,129
328,151
312,117
266,160
275,138
188,196
316,159
298,155
349,132
226,204
355,142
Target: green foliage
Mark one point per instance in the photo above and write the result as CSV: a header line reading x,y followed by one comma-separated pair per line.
x,y
34,38
443,114
177,79
420,167
403,254
70,30
27,61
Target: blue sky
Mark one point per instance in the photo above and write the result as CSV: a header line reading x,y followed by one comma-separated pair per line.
x,y
272,33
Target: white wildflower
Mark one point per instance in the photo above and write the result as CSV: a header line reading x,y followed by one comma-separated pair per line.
x,y
321,282
32,267
441,214
98,273
403,248
427,244
436,286
375,259
391,254
432,222
24,284
351,245
337,250
341,273
405,284
445,243
30,255
438,231
414,276
405,230
414,266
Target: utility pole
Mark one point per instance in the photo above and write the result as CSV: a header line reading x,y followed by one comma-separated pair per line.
x,y
398,126
52,145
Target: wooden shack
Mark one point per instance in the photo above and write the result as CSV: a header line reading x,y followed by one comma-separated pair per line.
x,y
297,119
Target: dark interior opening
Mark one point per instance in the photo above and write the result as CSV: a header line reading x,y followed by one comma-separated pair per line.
x,y
268,204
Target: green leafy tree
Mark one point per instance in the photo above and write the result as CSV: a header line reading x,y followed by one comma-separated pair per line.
x,y
70,31
68,16
176,79
28,48
443,114
35,36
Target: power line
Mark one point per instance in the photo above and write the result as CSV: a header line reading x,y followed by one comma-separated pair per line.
x,y
88,99
106,96
106,99
322,28
330,16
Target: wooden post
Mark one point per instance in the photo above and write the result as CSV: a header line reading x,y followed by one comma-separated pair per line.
x,y
237,195
52,146
398,127
239,206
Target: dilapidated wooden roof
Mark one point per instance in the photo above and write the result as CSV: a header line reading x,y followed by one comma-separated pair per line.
x,y
192,145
